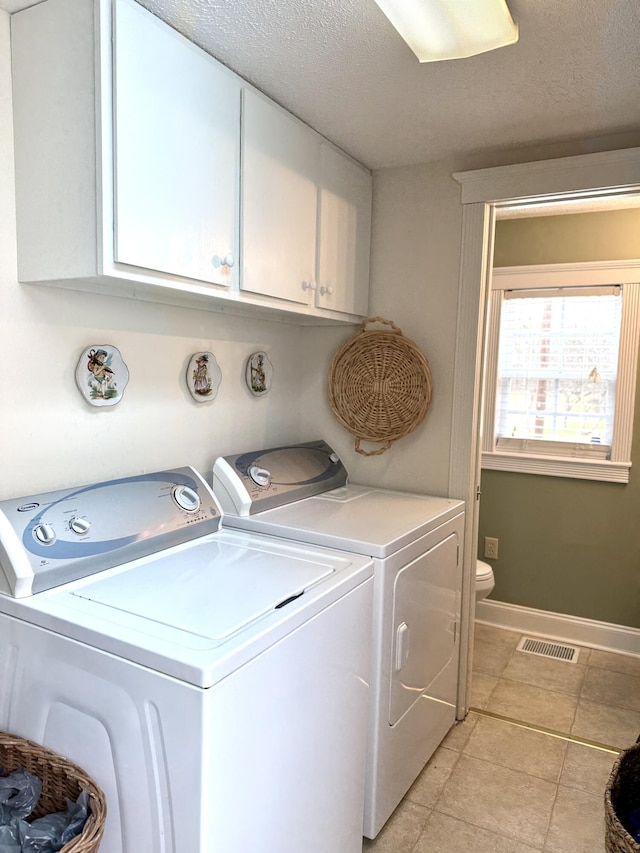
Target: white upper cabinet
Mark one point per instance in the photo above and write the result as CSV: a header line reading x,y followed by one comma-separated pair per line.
x,y
129,141
280,168
176,152
306,213
132,178
343,234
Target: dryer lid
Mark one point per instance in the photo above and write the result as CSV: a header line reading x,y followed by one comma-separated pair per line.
x,y
358,519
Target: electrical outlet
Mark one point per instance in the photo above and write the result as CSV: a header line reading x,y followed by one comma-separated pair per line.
x,y
490,548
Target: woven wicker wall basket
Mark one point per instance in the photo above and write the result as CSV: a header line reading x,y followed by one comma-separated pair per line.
x,y
379,386
60,779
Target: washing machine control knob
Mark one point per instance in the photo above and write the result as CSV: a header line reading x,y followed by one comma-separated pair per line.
x,y
260,476
79,525
186,498
334,458
44,533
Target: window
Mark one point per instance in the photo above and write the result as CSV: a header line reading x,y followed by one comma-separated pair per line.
x,y
557,366
561,370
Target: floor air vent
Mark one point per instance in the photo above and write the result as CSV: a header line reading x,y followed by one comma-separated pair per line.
x,y
548,650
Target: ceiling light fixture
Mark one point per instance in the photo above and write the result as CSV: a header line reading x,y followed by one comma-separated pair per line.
x,y
451,29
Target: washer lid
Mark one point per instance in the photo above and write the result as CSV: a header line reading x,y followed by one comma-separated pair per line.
x,y
209,590
201,610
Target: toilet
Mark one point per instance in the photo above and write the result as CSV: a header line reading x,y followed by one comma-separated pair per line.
x,y
485,580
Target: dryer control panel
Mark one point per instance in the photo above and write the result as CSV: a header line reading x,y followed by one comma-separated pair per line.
x,y
263,479
56,537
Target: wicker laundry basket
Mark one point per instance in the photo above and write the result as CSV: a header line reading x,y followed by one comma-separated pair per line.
x,y
379,386
60,778
622,794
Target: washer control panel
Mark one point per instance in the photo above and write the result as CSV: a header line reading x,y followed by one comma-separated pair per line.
x,y
263,479
55,537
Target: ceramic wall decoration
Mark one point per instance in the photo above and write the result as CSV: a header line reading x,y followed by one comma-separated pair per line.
x,y
102,375
259,374
203,376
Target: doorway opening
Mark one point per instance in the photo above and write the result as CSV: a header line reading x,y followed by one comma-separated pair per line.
x,y
594,181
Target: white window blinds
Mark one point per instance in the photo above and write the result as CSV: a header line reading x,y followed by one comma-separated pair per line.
x,y
557,367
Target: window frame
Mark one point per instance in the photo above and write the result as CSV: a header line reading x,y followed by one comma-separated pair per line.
x,y
575,464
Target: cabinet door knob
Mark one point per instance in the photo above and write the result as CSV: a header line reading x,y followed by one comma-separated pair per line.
x,y
308,285
223,260
326,290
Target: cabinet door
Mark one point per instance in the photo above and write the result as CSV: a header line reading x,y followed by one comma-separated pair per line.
x,y
279,199
176,152
344,234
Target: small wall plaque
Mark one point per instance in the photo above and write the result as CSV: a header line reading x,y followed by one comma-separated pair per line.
x,y
102,375
203,376
259,374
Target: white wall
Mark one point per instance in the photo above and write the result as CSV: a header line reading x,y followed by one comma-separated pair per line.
x,y
416,241
414,282
51,437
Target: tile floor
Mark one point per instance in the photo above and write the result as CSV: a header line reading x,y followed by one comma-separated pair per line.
x,y
496,787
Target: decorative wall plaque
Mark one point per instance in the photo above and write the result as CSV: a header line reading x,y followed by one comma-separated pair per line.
x,y
102,375
203,376
259,374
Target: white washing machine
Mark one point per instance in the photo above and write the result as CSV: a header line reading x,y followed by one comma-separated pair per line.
x,y
300,492
213,683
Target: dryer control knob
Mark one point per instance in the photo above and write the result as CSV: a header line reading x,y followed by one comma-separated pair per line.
x,y
186,498
79,525
45,534
260,476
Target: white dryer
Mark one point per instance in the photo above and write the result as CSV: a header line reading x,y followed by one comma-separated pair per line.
x,y
213,683
300,492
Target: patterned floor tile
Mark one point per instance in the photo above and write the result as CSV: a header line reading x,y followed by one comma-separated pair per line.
x,y
498,799
518,748
444,834
401,831
577,823
533,705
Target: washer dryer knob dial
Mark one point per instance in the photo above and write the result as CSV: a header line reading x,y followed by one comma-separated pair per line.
x,y
79,525
45,534
333,457
186,498
260,476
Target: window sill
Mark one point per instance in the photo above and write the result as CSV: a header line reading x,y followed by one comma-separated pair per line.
x,y
558,466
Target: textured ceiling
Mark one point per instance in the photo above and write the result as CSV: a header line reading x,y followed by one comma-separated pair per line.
x,y
340,67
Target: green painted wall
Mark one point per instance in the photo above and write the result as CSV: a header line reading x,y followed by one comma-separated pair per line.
x,y
567,546
598,236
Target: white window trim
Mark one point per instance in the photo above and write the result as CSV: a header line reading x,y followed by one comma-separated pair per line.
x,y
615,469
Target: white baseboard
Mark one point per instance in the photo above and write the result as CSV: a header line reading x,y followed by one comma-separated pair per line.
x,y
558,626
